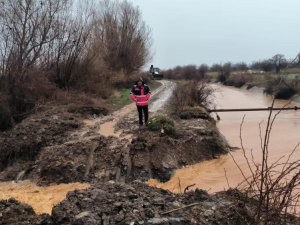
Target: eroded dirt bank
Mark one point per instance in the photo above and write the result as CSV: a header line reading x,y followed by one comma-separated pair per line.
x,y
66,145
61,146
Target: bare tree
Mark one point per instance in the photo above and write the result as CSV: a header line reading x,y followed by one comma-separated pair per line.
x,y
279,62
264,65
240,66
125,40
26,27
203,69
216,67
71,47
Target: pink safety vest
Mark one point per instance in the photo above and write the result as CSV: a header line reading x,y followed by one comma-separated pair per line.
x,y
139,96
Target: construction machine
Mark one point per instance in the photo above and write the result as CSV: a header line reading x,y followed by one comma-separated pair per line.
x,y
155,73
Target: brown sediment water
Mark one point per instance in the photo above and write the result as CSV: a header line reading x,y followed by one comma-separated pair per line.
x,y
42,199
210,175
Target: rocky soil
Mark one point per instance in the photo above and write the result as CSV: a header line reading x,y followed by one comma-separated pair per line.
x,y
13,212
114,203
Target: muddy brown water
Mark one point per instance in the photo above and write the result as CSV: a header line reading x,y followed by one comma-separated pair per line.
x,y
210,175
42,199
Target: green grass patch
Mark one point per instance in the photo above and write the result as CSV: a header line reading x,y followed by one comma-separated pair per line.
x,y
162,124
121,98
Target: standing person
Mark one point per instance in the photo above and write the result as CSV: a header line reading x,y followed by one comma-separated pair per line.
x,y
140,93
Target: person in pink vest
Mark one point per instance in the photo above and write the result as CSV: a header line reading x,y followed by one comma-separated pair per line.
x,y
140,93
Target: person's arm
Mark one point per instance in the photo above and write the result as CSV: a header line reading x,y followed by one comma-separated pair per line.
x,y
132,96
149,93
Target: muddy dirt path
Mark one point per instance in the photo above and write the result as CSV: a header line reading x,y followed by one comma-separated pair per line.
x,y
108,124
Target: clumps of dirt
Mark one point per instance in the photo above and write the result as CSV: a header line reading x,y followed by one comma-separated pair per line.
x,y
154,155
138,203
68,162
21,145
86,160
13,212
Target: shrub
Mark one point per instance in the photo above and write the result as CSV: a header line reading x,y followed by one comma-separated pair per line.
x,y
162,124
191,94
238,80
18,98
194,112
122,80
285,93
281,87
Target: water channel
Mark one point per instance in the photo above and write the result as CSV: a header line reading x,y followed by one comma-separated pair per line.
x,y
210,175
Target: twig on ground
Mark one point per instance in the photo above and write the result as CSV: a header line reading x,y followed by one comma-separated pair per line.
x,y
187,188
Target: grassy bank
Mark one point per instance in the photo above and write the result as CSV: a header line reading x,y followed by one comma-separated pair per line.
x,y
283,85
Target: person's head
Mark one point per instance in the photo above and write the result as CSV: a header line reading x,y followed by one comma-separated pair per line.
x,y
140,83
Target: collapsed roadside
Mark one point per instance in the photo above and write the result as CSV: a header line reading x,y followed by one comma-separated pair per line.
x,y
132,156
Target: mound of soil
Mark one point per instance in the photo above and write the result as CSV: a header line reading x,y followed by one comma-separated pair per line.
x,y
140,204
21,145
43,148
13,212
86,160
155,155
114,203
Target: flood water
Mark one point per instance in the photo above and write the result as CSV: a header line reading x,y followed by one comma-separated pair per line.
x,y
42,199
210,175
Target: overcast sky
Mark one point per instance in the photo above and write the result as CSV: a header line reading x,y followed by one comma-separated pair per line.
x,y
218,31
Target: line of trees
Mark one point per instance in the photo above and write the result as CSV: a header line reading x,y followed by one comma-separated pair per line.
x,y
277,63
82,45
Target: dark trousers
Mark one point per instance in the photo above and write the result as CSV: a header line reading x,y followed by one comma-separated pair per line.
x,y
142,109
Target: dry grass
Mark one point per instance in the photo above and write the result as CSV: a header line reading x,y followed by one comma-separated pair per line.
x,y
191,94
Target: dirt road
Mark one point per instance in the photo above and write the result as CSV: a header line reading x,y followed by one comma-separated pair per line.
x,y
108,125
